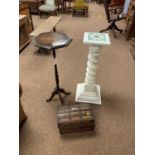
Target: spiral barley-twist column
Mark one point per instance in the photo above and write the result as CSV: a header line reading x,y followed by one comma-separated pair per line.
x,y
89,91
90,76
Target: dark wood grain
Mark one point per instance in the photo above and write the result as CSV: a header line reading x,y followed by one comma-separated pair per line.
x,y
75,118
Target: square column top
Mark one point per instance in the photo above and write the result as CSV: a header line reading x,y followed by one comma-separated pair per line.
x,y
96,38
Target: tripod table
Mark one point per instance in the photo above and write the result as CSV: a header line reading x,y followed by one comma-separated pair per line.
x,y
53,41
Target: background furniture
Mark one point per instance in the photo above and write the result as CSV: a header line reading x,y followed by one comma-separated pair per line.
x,y
33,5
48,25
130,27
132,49
113,13
64,6
25,10
49,7
25,25
60,5
130,21
100,1
22,115
52,41
67,5
23,34
80,8
121,2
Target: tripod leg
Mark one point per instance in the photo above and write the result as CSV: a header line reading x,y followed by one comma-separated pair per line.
x,y
114,32
51,97
109,27
61,100
118,29
63,91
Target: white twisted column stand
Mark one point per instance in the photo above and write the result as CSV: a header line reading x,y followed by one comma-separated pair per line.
x,y
92,64
89,91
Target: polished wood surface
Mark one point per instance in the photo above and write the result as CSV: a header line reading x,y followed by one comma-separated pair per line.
x,y
25,10
121,2
22,19
25,25
52,40
23,33
75,118
34,5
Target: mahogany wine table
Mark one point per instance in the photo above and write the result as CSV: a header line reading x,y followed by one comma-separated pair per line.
x,y
53,41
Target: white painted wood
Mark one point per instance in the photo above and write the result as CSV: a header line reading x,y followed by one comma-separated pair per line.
x,y
89,91
96,38
46,26
50,2
92,64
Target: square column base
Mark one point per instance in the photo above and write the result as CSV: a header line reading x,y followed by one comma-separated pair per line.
x,y
88,93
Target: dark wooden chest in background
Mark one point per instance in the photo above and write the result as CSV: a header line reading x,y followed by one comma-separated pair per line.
x,y
25,25
33,5
75,118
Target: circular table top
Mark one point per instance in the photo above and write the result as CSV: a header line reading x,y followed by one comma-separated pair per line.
x,y
52,40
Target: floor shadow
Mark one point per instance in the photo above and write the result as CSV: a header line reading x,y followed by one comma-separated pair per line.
x,y
44,52
112,103
78,135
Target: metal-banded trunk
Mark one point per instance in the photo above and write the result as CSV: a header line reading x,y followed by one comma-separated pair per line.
x,y
75,118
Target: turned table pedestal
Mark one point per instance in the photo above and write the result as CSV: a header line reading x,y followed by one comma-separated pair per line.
x,y
52,41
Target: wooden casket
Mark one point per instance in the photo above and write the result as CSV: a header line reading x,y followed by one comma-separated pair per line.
x,y
75,118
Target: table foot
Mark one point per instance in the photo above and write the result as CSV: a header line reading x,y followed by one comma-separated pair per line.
x,y
58,92
64,92
60,97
